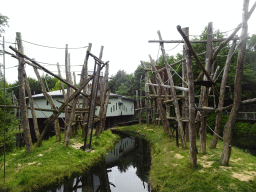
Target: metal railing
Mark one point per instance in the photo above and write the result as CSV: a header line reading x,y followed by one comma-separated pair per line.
x,y
247,116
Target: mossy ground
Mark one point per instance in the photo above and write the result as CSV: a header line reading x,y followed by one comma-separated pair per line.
x,y
51,163
171,170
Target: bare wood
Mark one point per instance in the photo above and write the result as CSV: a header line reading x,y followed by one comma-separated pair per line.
x,y
61,83
33,113
204,91
225,156
138,106
105,109
194,54
85,90
92,102
46,70
62,107
160,109
191,99
22,98
221,96
173,92
185,111
48,97
68,93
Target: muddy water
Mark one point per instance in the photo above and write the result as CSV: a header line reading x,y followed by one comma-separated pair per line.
x,y
124,168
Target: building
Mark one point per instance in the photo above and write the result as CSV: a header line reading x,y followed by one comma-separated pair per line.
x,y
120,108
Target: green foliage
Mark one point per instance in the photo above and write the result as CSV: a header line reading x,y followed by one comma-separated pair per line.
x,y
35,87
57,86
3,23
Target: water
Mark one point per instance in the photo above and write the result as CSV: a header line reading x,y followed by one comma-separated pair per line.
x,y
125,168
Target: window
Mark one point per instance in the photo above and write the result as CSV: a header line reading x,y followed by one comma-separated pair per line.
x,y
116,106
113,107
126,109
47,102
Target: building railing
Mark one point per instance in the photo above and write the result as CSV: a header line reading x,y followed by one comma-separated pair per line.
x,y
247,116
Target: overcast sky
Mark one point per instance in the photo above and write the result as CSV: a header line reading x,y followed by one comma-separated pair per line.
x,y
122,27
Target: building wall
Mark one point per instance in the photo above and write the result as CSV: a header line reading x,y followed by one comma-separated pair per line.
x,y
117,107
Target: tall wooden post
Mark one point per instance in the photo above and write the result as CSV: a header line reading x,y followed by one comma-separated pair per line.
x,y
92,106
31,102
225,156
204,90
192,130
138,106
221,97
67,70
85,90
22,98
103,100
61,83
173,92
185,110
49,98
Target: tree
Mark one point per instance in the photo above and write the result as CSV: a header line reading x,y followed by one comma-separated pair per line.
x,y
3,23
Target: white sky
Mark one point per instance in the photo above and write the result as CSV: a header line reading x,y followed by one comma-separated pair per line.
x,y
122,27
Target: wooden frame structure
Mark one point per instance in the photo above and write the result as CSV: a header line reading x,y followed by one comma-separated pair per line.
x,y
190,113
76,114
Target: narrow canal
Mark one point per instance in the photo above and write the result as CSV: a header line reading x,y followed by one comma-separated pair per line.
x,y
125,168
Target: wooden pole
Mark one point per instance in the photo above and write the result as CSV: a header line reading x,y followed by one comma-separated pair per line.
x,y
44,69
161,112
31,102
62,107
138,106
185,110
225,156
22,98
173,92
204,91
49,98
191,99
73,109
103,101
61,83
94,91
85,89
221,97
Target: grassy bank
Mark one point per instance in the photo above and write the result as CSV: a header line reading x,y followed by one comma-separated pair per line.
x,y
171,171
52,162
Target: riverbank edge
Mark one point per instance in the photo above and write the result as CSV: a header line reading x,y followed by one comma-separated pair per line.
x,y
17,165
171,170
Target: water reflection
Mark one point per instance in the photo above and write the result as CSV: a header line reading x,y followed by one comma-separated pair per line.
x,y
125,168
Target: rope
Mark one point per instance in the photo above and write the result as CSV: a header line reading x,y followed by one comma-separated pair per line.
x,y
214,132
53,47
174,47
11,67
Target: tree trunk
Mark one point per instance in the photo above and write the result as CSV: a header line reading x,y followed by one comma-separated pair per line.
x,y
204,92
173,92
22,98
192,130
221,97
225,156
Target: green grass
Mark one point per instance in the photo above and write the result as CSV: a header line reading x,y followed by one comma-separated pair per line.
x,y
171,170
52,163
